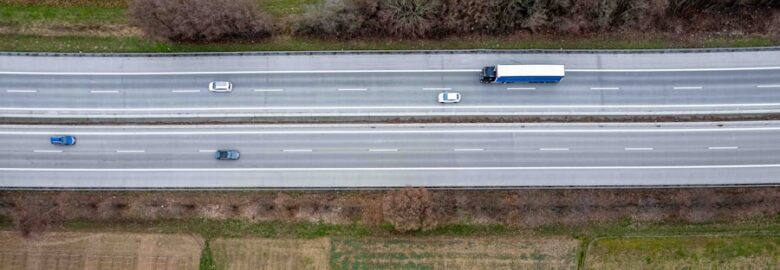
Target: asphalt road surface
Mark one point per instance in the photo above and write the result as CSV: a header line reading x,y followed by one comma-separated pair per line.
x,y
386,85
349,156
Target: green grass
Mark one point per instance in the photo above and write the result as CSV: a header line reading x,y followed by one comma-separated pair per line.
x,y
696,252
284,8
23,15
32,43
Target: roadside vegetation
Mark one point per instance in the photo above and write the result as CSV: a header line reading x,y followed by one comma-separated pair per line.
x,y
291,25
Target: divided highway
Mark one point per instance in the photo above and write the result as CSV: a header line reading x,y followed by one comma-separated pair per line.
x,y
386,85
349,156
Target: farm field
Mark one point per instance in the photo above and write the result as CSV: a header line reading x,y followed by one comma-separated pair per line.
x,y
455,253
685,252
115,251
261,254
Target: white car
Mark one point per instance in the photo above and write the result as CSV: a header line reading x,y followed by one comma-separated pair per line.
x,y
220,86
447,97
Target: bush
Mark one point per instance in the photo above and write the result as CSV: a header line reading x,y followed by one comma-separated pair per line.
x,y
200,20
409,209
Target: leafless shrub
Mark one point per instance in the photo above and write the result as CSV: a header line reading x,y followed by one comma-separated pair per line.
x,y
200,20
409,209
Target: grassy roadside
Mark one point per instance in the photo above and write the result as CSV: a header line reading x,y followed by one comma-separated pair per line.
x,y
33,43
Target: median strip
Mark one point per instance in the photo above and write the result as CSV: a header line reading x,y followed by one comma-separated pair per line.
x,y
383,150
269,90
553,149
468,149
687,87
769,86
521,88
296,150
604,88
638,148
353,89
104,91
47,151
130,151
20,91
185,91
722,147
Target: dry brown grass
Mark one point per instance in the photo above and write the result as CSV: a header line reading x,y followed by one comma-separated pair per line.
x,y
75,251
530,252
276,254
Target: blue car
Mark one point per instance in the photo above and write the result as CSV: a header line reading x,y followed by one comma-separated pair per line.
x,y
227,154
63,140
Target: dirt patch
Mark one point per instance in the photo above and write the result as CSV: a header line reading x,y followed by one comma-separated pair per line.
x,y
455,253
687,252
73,251
278,254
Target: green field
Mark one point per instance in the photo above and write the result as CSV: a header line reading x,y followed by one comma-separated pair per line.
x,y
688,252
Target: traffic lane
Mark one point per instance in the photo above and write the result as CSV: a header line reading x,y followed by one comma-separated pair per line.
x,y
389,80
418,140
384,158
430,177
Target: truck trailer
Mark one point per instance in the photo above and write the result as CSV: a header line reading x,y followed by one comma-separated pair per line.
x,y
523,74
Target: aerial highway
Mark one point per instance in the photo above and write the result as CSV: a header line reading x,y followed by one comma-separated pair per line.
x,y
386,84
377,156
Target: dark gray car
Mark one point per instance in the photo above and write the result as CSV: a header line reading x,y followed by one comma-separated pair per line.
x,y
227,154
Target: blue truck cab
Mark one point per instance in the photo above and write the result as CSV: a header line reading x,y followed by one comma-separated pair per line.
x,y
63,140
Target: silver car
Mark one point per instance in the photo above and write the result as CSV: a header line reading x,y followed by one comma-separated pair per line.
x,y
447,97
220,86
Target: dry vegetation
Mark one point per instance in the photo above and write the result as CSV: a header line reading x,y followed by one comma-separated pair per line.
x,y
455,253
200,20
277,254
120,251
36,211
690,252
439,18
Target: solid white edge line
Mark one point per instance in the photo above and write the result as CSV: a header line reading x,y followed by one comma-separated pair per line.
x,y
269,90
185,91
468,149
400,107
669,167
369,71
353,89
768,86
723,147
47,151
553,149
437,89
383,150
605,88
103,91
269,132
638,148
130,151
687,87
296,150
20,91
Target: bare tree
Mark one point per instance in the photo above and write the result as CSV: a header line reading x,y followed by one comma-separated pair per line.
x,y
409,209
200,20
